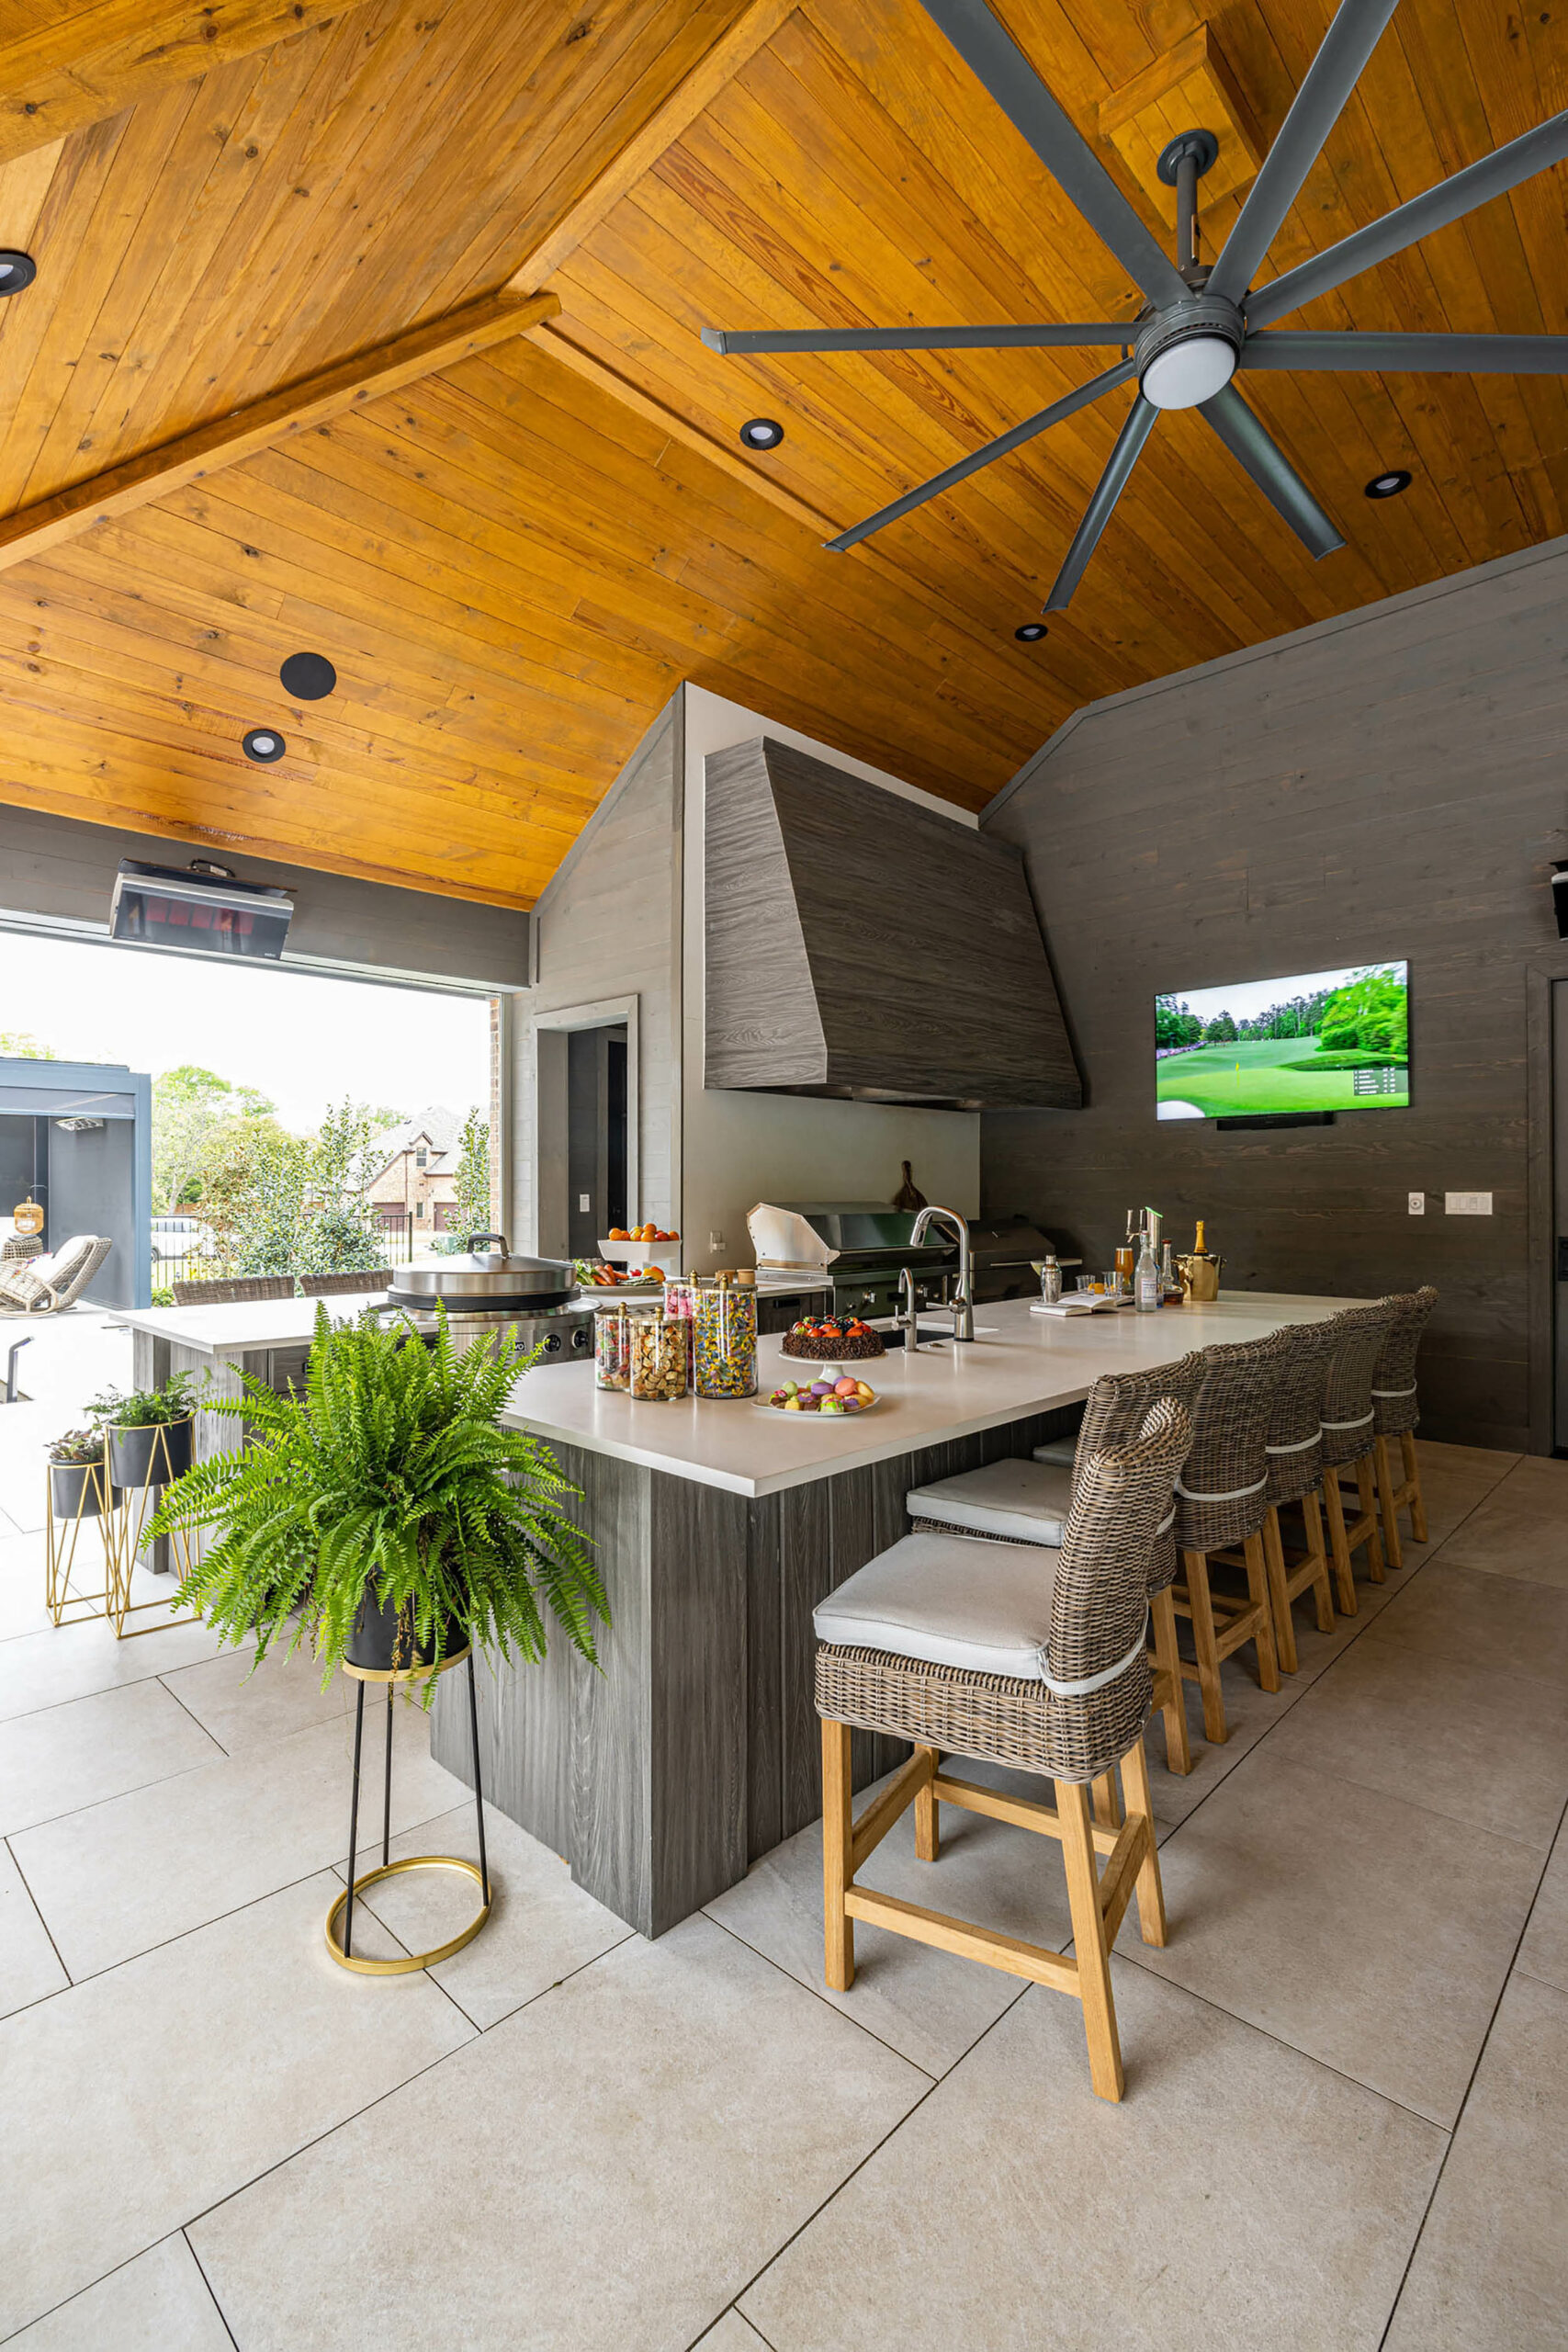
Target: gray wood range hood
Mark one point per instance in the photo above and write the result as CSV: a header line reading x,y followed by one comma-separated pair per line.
x,y
859,945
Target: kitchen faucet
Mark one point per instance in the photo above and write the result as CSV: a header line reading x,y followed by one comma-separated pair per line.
x,y
908,1321
962,1302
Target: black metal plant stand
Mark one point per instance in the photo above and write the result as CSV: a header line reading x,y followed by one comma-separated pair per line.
x,y
343,1906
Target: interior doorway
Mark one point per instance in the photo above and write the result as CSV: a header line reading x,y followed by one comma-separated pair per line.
x,y
597,1135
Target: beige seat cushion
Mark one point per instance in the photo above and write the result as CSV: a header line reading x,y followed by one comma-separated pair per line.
x,y
1026,1503
59,1268
948,1601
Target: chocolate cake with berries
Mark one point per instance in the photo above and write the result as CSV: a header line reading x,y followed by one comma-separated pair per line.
x,y
832,1338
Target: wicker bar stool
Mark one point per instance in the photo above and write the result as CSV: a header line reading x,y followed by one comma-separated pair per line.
x,y
1348,1421
241,1288
1027,1502
1295,1466
1039,1663
1221,1503
1393,1401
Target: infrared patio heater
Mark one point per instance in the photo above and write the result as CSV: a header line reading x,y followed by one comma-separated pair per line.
x,y
199,909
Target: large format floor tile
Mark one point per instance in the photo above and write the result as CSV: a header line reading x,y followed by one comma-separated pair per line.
x,y
1488,1748
22,1607
733,2333
542,1928
607,2168
1520,1529
1482,1618
244,1705
121,1877
1491,2271
159,2302
1240,2195
64,1757
1544,1951
73,1661
1369,1932
135,2101
931,2005
29,1965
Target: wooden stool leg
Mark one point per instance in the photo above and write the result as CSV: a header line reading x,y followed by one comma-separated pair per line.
x,y
1168,1657
1413,1480
1257,1589
1323,1591
1150,1894
1386,1504
1197,1567
928,1829
1107,1801
1344,1575
1279,1593
1366,1505
838,1929
1090,1953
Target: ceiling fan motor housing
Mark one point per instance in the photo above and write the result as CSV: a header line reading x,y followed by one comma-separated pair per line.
x,y
1186,352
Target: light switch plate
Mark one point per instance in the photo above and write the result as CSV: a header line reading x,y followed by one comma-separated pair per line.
x,y
1468,1203
1418,1204
584,1203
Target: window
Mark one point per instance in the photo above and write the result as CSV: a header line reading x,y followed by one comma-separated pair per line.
x,y
421,1157
419,1208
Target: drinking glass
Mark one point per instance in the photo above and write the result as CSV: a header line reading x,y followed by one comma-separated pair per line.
x,y
1088,1282
1114,1283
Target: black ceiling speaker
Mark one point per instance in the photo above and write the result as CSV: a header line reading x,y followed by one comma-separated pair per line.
x,y
308,677
16,270
265,744
1201,326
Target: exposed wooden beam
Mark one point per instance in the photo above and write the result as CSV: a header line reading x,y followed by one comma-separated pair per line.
x,y
733,49
96,59
423,351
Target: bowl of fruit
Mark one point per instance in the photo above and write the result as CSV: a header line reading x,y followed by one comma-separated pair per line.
x,y
627,1242
828,1397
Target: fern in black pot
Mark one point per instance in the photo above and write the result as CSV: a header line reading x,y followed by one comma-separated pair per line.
x,y
383,1514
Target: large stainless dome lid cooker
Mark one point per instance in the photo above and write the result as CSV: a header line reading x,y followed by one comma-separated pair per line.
x,y
485,1278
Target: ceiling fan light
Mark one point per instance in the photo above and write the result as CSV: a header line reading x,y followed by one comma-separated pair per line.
x,y
1187,373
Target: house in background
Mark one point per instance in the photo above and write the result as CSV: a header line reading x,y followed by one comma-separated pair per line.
x,y
418,1185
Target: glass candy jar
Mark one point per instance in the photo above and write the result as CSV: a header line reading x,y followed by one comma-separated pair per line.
x,y
658,1357
612,1347
726,1341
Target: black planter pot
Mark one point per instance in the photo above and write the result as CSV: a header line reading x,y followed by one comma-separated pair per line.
x,y
76,1489
378,1645
154,1455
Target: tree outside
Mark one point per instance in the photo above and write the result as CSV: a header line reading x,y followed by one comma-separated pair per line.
x,y
17,1045
472,1185
191,1106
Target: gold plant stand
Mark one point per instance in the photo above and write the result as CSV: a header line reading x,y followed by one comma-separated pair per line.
x,y
62,1537
131,1508
343,1907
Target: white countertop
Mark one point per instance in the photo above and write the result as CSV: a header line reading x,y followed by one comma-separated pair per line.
x,y
1017,1363
234,1329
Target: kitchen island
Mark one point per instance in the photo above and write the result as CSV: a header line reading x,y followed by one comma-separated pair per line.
x,y
718,1528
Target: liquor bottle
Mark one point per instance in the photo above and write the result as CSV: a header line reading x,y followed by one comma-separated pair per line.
x,y
1146,1293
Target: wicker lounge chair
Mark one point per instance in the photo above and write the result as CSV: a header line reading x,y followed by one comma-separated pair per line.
x,y
49,1285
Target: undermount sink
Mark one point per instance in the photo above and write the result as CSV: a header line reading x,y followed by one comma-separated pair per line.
x,y
932,1332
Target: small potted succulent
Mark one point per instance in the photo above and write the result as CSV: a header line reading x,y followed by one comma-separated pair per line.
x,y
149,1432
78,1486
382,1513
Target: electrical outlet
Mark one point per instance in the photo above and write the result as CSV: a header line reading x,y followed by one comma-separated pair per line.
x,y
1468,1203
584,1203
1418,1204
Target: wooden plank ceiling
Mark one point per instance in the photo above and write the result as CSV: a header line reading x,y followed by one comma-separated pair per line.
x,y
512,560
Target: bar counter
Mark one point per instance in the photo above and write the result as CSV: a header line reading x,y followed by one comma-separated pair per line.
x,y
719,1527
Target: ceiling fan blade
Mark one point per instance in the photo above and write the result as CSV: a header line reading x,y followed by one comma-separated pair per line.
x,y
1334,73
1107,490
1494,175
994,57
1001,446
1038,338
1468,354
1271,469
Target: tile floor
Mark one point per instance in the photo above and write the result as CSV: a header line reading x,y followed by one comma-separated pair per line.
x,y
1347,2112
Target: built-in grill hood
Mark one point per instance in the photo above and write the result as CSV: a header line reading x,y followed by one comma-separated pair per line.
x,y
861,946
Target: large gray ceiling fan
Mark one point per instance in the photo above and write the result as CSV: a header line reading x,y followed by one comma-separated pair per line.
x,y
1200,325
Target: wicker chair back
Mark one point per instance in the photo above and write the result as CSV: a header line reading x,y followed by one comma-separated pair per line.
x,y
1222,1496
1348,1413
346,1286
1295,1425
228,1294
1393,1382
1112,1418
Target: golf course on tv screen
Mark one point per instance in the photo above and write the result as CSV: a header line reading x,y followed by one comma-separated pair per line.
x,y
1318,1040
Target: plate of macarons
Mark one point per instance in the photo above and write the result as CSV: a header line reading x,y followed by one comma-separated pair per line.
x,y
828,1396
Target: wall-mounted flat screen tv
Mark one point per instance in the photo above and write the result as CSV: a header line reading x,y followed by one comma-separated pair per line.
x,y
1315,1041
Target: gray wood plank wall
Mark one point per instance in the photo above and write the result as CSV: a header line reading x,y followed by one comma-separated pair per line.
x,y
1388,785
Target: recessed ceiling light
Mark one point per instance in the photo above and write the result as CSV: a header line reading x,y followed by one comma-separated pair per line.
x,y
16,270
264,743
762,433
308,677
1388,485
1032,632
